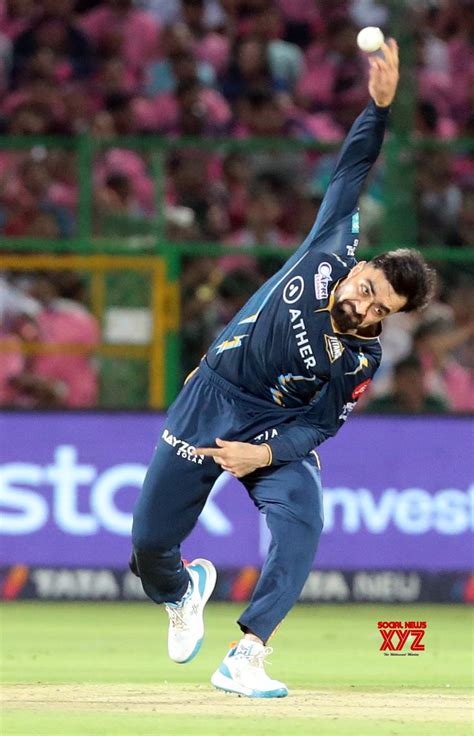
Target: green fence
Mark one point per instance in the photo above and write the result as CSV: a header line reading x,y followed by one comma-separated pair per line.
x,y
146,236
400,225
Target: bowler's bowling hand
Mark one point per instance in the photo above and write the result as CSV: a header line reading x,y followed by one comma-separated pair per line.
x,y
238,458
383,78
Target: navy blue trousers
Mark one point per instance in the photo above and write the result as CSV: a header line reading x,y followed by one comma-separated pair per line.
x,y
176,488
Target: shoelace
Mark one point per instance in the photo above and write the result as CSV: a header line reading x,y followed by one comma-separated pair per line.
x,y
259,660
261,657
176,617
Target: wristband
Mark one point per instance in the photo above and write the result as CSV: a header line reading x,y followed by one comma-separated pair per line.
x,y
270,455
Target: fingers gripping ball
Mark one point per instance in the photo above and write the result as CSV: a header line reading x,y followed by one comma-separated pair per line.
x,y
370,39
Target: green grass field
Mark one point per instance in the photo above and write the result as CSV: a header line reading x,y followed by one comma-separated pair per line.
x,y
100,669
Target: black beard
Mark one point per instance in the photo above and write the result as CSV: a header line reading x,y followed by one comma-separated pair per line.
x,y
345,318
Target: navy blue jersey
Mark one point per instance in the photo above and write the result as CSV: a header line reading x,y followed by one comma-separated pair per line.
x,y
282,346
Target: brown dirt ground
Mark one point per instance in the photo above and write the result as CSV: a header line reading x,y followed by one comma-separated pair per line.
x,y
200,700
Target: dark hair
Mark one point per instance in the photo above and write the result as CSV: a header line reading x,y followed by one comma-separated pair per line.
x,y
410,276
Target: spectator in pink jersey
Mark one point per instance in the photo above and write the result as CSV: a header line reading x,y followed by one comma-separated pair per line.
x,y
59,379
116,28
38,91
121,106
13,361
30,119
231,188
337,72
16,16
286,60
461,58
113,77
249,67
125,162
436,342
193,110
17,324
53,32
189,186
176,62
209,46
264,211
262,112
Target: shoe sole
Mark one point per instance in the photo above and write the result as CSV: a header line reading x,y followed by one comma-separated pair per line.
x,y
211,579
221,682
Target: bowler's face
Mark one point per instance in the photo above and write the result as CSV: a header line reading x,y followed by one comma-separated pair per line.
x,y
364,298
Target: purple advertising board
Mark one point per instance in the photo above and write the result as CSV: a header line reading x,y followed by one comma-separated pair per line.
x,y
398,494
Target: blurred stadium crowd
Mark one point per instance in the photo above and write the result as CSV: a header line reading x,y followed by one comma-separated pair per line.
x,y
210,68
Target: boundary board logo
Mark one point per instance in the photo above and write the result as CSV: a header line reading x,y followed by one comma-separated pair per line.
x,y
334,347
397,634
322,279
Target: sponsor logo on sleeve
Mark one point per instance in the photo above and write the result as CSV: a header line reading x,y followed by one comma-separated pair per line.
x,y
355,222
334,347
346,410
322,279
351,249
293,290
361,388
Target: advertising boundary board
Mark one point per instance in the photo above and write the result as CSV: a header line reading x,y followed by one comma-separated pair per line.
x,y
398,494
322,586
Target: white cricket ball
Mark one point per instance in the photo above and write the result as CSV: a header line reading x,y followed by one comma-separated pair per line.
x,y
370,39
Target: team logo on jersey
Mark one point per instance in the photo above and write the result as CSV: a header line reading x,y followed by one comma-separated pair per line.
x,y
322,279
334,347
363,363
236,342
293,290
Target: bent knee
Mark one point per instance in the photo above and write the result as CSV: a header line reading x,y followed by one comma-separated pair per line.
x,y
146,538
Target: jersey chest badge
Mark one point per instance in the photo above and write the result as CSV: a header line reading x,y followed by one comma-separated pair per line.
x,y
334,347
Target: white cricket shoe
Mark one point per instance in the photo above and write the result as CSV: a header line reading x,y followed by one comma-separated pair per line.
x,y
186,629
242,671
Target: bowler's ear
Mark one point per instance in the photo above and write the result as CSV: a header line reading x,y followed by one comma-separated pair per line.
x,y
357,268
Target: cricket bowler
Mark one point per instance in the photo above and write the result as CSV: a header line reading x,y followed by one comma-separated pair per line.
x,y
280,379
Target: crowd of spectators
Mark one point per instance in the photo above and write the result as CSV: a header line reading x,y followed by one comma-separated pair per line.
x,y
233,68
45,308
214,68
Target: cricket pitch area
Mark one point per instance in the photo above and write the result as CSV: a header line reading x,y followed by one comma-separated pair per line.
x,y
99,669
200,700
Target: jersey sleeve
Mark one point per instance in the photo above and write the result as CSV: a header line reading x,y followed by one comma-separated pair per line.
x,y
324,417
334,223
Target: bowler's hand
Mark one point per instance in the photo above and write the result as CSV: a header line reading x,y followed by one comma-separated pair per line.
x,y
238,458
383,77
